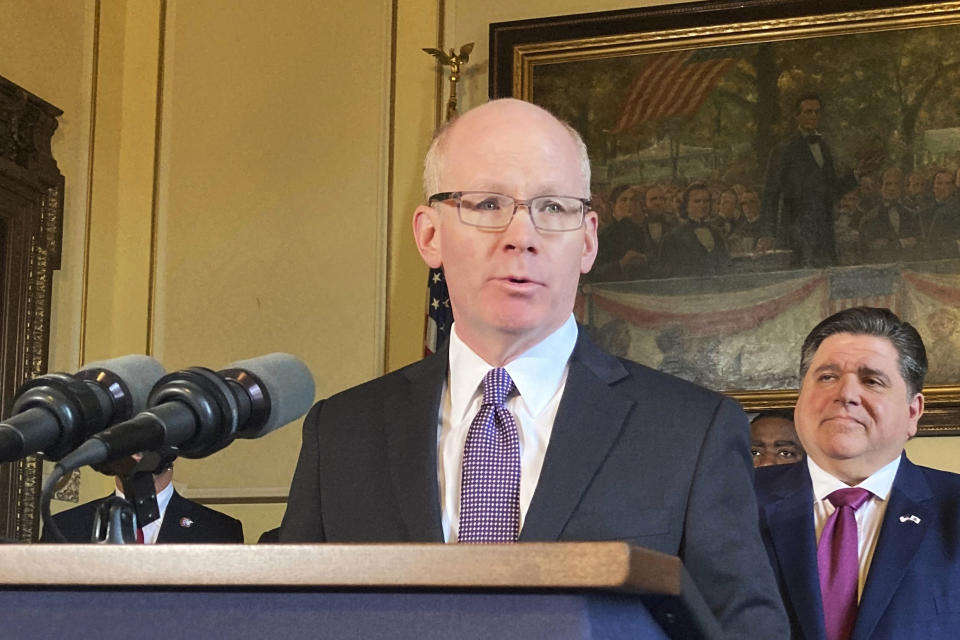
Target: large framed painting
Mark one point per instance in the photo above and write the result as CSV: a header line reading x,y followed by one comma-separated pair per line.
x,y
757,166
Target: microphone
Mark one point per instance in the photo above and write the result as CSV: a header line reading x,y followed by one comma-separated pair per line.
x,y
196,412
56,412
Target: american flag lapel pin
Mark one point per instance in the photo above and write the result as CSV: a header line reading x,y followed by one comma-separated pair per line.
x,y
186,523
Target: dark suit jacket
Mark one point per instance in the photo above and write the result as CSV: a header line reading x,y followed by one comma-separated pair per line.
x,y
635,455
798,195
941,226
913,588
615,239
206,525
682,254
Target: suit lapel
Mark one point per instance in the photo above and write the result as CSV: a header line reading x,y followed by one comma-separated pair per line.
x,y
896,545
587,423
790,521
170,529
411,432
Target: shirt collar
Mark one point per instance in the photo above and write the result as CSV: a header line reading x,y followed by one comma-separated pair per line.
x,y
537,373
879,483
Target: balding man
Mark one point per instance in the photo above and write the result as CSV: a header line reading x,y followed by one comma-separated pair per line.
x,y
520,428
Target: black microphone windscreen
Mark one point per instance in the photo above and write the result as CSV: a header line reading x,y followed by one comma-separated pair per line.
x,y
289,384
138,372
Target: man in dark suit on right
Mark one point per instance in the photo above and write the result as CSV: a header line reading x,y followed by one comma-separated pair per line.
x,y
801,187
864,543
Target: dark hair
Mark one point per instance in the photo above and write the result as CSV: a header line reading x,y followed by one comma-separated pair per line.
x,y
879,322
785,414
616,192
808,95
943,170
695,186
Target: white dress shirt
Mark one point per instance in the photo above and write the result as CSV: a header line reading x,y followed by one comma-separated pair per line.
x,y
152,530
869,516
540,375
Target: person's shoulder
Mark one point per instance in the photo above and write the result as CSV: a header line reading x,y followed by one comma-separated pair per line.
x,y
940,478
941,487
190,508
642,380
74,523
79,511
788,142
189,521
432,368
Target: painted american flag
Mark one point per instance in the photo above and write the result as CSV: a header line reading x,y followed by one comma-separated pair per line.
x,y
672,85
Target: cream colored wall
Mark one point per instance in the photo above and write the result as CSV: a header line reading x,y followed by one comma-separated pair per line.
x,y
415,117
939,452
272,204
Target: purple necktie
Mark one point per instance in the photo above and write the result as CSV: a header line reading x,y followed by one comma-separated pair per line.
x,y
490,480
839,564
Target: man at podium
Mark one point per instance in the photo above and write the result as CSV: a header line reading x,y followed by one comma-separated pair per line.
x,y
521,429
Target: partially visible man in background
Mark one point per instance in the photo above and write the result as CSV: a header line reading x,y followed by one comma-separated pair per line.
x,y
773,439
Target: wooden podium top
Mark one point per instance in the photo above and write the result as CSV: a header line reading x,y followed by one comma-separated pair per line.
x,y
612,566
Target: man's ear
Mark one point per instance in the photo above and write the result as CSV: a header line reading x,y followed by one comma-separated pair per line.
x,y
914,411
426,233
590,243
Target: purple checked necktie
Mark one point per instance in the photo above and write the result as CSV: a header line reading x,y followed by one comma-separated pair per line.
x,y
839,564
490,476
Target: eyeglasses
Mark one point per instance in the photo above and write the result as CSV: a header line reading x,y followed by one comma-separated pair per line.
x,y
495,211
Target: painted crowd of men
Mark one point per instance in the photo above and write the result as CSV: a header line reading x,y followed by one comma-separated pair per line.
x,y
807,208
668,231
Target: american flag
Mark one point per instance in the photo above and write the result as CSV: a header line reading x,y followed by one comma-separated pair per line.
x,y
672,85
439,313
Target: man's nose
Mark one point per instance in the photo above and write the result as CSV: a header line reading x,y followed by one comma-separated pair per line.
x,y
521,234
848,390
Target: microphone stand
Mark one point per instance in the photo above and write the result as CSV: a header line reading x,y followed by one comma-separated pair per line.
x,y
118,519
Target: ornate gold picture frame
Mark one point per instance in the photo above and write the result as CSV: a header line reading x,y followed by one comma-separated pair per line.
x,y
31,223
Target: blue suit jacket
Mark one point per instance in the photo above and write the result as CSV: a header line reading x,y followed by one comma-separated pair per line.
x,y
913,588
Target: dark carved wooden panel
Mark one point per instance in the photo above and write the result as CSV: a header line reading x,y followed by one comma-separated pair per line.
x,y
31,223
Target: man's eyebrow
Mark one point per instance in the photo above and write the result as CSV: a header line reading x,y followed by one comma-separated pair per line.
x,y
873,373
827,366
